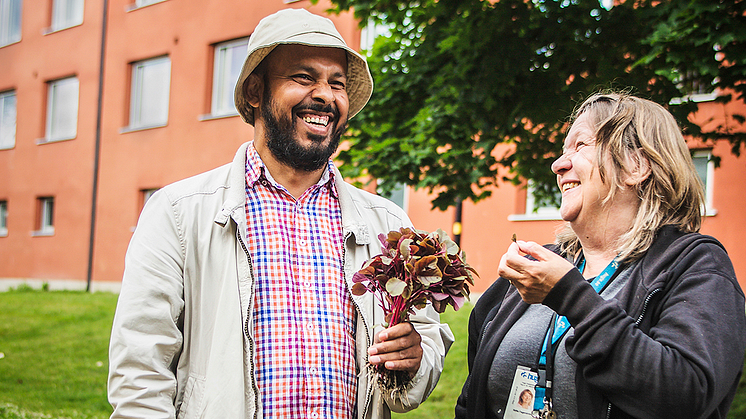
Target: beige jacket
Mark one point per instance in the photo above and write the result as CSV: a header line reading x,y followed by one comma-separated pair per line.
x,y
181,345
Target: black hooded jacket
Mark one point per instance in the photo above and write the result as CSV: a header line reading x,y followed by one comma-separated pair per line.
x,y
669,345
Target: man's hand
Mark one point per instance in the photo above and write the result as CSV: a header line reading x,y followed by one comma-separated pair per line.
x,y
398,348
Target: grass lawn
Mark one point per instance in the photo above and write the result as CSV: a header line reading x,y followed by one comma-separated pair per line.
x,y
54,349
53,358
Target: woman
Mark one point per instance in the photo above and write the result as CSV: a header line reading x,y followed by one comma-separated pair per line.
x,y
646,316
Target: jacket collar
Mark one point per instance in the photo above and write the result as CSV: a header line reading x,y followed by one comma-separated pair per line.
x,y
233,206
236,194
352,220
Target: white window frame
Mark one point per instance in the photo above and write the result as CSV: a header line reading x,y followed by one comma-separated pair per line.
x,y
146,194
8,113
229,56
62,106
10,22
145,99
534,212
3,218
45,225
708,182
66,14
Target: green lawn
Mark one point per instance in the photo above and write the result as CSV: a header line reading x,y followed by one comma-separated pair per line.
x,y
54,353
53,365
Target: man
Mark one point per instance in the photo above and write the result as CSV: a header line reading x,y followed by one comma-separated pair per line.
x,y
235,301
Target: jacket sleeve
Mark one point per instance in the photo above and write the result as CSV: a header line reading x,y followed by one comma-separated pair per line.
x,y
437,338
484,311
146,339
687,364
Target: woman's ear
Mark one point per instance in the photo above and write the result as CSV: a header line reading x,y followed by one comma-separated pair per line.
x,y
253,88
639,169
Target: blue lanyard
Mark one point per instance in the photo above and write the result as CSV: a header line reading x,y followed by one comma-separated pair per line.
x,y
559,325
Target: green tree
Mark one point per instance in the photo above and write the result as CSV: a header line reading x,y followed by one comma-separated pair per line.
x,y
457,78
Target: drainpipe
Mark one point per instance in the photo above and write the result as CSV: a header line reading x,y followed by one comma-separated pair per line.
x,y
456,229
97,151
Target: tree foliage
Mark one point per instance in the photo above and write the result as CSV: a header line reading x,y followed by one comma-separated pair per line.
x,y
456,79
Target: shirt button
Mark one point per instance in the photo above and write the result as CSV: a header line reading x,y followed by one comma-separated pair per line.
x,y
314,415
312,370
309,326
302,242
307,284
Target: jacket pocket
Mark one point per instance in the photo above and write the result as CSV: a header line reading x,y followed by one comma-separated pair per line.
x,y
191,403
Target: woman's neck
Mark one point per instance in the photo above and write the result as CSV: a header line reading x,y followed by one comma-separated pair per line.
x,y
596,261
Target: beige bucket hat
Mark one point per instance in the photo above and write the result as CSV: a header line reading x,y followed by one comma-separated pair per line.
x,y
299,26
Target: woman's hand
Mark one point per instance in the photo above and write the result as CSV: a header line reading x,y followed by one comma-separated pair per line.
x,y
532,278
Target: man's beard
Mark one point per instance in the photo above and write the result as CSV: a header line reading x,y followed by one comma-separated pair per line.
x,y
282,137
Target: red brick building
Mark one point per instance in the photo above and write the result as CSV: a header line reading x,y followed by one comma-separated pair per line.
x,y
103,102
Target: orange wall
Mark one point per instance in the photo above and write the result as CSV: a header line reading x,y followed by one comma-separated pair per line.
x,y
60,169
152,158
129,162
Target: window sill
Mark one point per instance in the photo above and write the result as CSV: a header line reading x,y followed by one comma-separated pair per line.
x,y
41,141
126,130
212,116
42,233
50,30
534,217
697,98
15,41
4,232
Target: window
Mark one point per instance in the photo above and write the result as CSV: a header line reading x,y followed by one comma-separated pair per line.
x,y
370,32
534,208
45,224
3,218
145,194
62,109
66,13
10,21
7,120
151,82
705,166
397,195
229,57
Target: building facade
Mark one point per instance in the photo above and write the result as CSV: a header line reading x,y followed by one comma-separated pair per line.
x,y
86,137
101,103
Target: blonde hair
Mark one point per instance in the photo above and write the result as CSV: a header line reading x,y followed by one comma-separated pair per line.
x,y
636,132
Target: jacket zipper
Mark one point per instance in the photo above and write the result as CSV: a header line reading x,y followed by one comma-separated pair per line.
x,y
369,388
246,325
645,305
637,323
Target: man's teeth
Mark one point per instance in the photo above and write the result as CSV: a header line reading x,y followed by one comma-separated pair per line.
x,y
569,185
319,120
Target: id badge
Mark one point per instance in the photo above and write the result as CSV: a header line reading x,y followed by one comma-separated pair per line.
x,y
522,392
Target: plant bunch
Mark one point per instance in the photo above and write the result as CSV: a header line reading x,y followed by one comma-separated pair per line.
x,y
414,267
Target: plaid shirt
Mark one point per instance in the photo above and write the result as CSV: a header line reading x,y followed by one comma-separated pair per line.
x,y
303,314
